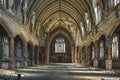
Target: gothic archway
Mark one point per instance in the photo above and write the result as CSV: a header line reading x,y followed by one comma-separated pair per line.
x,y
60,50
18,52
4,48
116,48
69,46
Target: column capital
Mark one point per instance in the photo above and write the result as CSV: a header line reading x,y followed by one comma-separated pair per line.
x,y
12,36
109,41
24,42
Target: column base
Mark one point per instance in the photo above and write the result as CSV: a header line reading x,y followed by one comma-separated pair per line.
x,y
25,63
73,61
37,63
83,62
88,63
95,63
108,64
33,63
11,64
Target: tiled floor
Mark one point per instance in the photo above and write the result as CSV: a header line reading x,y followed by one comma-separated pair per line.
x,y
66,71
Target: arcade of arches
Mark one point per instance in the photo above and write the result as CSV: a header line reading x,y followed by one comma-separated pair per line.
x,y
60,31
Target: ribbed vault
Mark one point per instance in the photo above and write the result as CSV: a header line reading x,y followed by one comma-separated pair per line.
x,y
66,13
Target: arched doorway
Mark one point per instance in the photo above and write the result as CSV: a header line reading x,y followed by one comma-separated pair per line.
x,y
101,52
18,52
116,48
58,35
60,50
4,48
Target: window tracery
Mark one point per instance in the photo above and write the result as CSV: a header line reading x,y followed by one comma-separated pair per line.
x,y
115,48
101,50
60,45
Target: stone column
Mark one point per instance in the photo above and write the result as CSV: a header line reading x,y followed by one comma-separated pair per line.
x,y
83,56
88,55
80,54
37,55
109,52
42,53
73,54
33,57
46,56
95,62
76,55
25,54
11,52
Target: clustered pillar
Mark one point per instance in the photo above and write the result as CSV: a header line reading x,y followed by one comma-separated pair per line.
x,y
32,56
11,52
38,56
95,62
76,55
109,50
73,54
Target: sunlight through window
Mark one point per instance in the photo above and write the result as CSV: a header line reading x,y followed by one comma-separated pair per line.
x,y
60,45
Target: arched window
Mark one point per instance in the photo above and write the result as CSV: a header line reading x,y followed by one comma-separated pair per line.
x,y
101,50
116,2
78,38
18,48
5,48
115,47
113,3
4,44
97,11
82,28
32,21
3,2
97,14
88,24
60,45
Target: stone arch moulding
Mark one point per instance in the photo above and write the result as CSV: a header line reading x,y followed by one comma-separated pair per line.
x,y
113,27
23,37
31,42
51,37
68,36
8,29
99,35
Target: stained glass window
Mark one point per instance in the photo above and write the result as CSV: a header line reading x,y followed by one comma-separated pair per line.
x,y
60,45
115,47
3,2
116,2
101,50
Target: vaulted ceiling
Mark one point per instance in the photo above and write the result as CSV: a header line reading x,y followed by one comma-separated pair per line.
x,y
66,13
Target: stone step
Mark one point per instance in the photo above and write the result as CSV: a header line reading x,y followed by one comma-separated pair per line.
x,y
6,72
